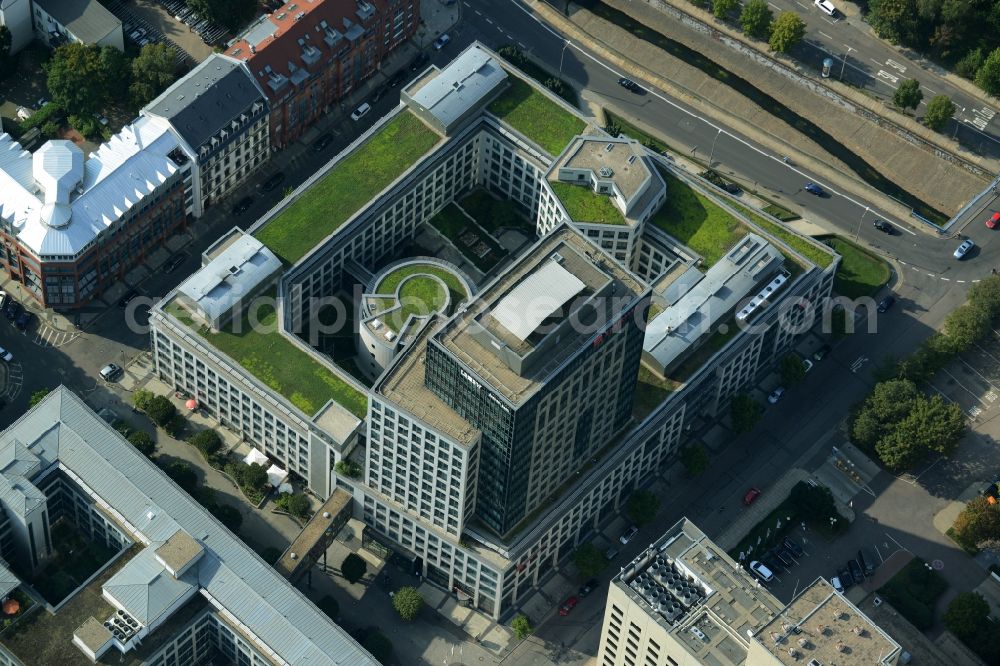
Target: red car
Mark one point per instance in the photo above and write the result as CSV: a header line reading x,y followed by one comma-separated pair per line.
x,y
993,221
751,495
568,605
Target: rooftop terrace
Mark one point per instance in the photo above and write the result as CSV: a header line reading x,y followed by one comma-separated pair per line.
x,y
276,361
585,205
536,116
348,186
411,288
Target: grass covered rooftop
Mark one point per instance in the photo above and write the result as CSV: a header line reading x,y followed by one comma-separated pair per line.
x,y
418,293
347,187
585,205
536,116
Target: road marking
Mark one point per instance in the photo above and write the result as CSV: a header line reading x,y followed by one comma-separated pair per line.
x,y
860,361
892,78
946,279
800,4
931,275
478,13
933,92
825,35
960,281
974,411
875,61
896,65
490,21
775,6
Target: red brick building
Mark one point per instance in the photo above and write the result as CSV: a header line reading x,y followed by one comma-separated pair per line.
x,y
311,53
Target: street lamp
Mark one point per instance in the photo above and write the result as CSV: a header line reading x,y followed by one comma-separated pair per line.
x,y
843,61
562,54
858,232
711,155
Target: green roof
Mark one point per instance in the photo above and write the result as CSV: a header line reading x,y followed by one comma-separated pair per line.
x,y
585,205
277,362
536,116
419,294
347,187
814,252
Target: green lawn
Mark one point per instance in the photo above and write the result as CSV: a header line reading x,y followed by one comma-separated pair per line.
x,y
392,280
813,253
633,132
479,248
351,184
494,214
697,222
275,361
418,295
585,205
860,273
650,391
536,116
700,355
914,592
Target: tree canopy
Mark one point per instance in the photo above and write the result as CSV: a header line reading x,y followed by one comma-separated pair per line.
x,y
589,560
967,615
233,14
81,78
521,626
756,18
939,111
723,8
695,459
786,32
978,522
642,507
407,602
745,412
353,567
908,95
793,369
152,72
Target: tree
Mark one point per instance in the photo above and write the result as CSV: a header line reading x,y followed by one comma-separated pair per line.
x,y
353,567
786,32
143,442
986,294
521,626
407,602
379,646
152,72
979,522
233,14
756,19
207,441
182,474
893,19
888,404
228,515
723,8
330,606
161,410
939,111
642,507
966,325
589,560
77,78
815,502
745,412
988,75
142,398
255,476
967,616
793,370
115,73
908,95
695,459
348,468
296,504
38,396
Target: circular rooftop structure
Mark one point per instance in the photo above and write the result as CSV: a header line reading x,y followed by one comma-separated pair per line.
x,y
399,300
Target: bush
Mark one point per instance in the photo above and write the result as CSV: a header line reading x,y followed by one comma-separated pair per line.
x,y
161,410
522,627
967,616
379,646
38,396
642,507
589,560
228,515
50,113
348,468
121,427
142,398
745,412
695,459
407,602
353,568
182,474
255,476
327,604
86,125
207,442
176,426
296,504
143,442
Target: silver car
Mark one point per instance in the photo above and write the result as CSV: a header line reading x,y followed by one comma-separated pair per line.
x,y
964,249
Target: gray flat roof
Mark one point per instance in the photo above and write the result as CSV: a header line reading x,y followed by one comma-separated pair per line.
x,y
88,20
521,311
463,83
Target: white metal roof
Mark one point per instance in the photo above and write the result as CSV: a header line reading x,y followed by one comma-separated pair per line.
x,y
461,85
144,588
537,296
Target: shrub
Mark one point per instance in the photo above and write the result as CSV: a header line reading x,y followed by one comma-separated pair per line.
x,y
407,602
522,627
348,468
182,474
176,426
207,442
353,568
142,398
228,515
296,504
122,427
589,560
143,442
255,476
38,396
161,410
967,616
642,507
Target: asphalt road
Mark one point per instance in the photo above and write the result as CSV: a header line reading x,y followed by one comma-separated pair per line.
x,y
864,60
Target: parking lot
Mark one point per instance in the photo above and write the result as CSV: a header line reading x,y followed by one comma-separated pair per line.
x,y
147,22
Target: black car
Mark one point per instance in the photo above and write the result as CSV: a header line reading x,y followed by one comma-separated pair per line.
x,y
242,205
732,188
5,300
884,227
127,298
322,142
785,556
868,561
886,303
587,587
273,182
418,62
856,573
173,263
793,546
628,84
23,320
13,310
846,579
821,353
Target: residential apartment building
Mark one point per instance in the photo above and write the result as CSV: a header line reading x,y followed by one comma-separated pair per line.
x,y
16,15
309,54
684,602
72,226
59,22
180,588
471,429
219,116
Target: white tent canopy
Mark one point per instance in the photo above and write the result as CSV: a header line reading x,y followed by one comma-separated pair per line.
x,y
255,456
275,475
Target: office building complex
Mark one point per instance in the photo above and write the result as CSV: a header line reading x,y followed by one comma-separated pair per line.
x,y
179,587
72,226
219,116
309,54
505,420
684,602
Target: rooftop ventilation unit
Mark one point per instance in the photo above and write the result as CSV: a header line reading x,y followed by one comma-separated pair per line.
x,y
608,148
607,172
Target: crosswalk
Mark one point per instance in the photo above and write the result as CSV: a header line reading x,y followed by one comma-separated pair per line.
x,y
46,336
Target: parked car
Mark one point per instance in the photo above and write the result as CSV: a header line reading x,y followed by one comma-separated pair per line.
x,y
732,188
4,300
568,605
856,573
110,372
361,111
750,496
13,311
6,355
127,298
868,560
837,585
993,221
964,248
273,181
821,353
611,553
884,227
242,205
628,84
442,41
173,262
886,303
826,7
628,534
23,320
587,587
761,571
793,545
322,142
807,364
418,62
813,188
846,579
776,395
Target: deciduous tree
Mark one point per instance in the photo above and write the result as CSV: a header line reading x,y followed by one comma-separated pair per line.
x,y
642,507
354,568
745,412
695,459
988,75
756,18
908,95
589,560
967,615
152,72
723,8
939,111
522,627
407,602
786,32
979,522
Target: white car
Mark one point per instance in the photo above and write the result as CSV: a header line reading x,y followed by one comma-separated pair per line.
x,y
628,534
761,571
837,585
776,395
964,248
6,355
442,41
826,7
361,111
807,364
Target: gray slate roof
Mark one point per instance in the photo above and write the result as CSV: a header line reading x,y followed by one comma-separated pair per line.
x,y
88,20
207,99
292,629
